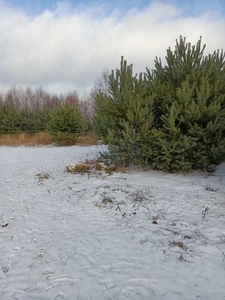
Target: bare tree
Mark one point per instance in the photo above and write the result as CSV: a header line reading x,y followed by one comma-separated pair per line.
x,y
102,83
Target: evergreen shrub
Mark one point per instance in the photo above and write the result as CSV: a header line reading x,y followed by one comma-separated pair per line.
x,y
66,124
34,121
9,119
171,118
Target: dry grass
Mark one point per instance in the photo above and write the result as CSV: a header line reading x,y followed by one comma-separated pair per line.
x,y
78,168
88,140
40,138
93,166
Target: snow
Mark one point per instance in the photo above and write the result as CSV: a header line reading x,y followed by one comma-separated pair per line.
x,y
139,235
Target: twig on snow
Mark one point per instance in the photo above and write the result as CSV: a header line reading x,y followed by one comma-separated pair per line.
x,y
64,263
207,239
212,242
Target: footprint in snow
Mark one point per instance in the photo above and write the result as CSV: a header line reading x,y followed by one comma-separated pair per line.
x,y
141,288
17,295
135,293
59,296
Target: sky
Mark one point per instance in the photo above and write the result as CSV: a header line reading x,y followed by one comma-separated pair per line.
x,y
64,46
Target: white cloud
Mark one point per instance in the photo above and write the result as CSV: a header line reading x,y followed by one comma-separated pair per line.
x,y
67,48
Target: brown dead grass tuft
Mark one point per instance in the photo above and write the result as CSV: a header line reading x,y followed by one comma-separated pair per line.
x,y
88,140
40,138
93,166
78,168
98,166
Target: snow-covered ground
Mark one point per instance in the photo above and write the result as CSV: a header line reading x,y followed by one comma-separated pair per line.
x,y
138,236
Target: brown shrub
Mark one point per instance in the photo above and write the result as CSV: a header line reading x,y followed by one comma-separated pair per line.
x,y
88,140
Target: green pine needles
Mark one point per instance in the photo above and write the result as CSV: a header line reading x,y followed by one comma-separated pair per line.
x,y
9,119
171,118
66,124
124,117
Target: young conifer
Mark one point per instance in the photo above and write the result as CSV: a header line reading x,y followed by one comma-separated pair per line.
x,y
189,108
66,124
123,117
9,119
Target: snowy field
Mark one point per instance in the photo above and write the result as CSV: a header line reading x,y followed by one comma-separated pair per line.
x,y
135,236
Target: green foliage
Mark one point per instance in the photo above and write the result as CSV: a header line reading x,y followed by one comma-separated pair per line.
x,y
171,147
34,121
66,124
190,128
123,117
9,119
173,118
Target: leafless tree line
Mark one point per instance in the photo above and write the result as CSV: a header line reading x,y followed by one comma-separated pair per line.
x,y
38,99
